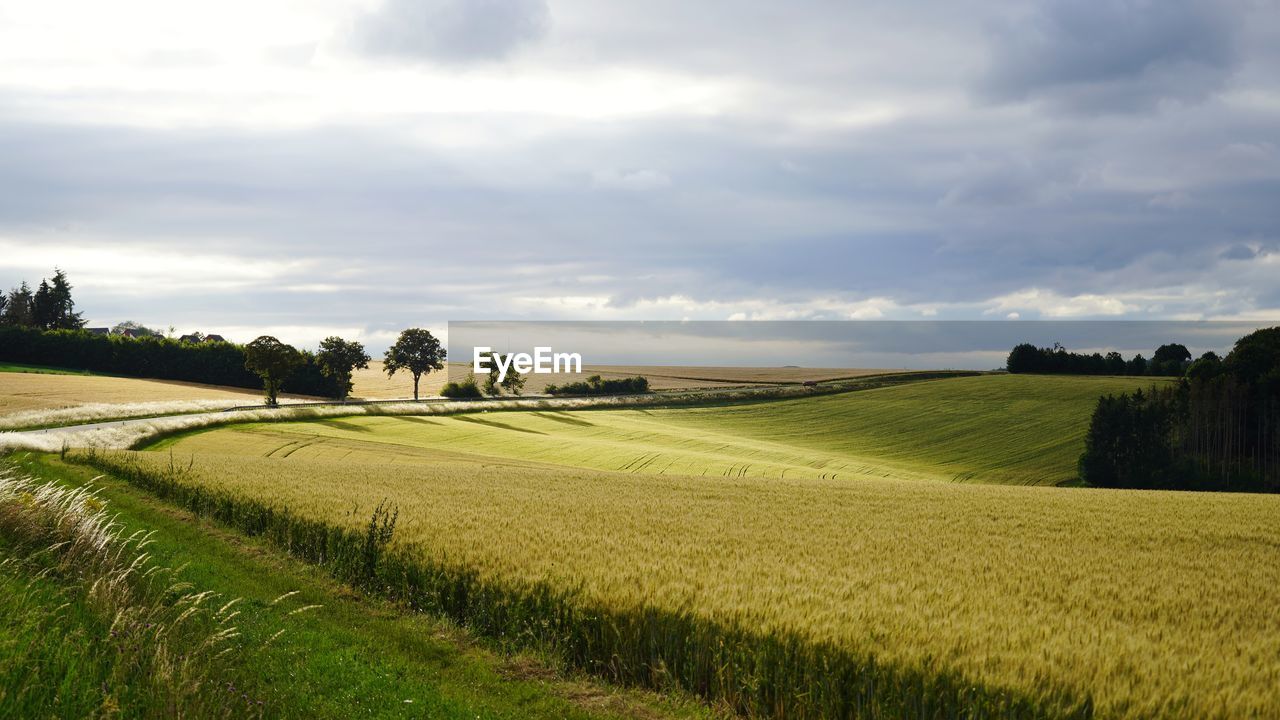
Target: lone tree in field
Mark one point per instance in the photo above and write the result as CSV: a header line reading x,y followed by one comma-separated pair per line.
x,y
273,361
417,351
339,358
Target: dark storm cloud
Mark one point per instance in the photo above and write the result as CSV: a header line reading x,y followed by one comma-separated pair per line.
x,y
1109,55
451,31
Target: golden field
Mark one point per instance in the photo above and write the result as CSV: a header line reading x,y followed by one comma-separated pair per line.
x,y
828,520
1150,604
37,391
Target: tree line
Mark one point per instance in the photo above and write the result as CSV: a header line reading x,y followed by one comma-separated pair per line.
x,y
212,363
1217,428
1170,360
44,328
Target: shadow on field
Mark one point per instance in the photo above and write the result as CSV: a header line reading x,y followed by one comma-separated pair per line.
x,y
344,425
565,418
419,420
495,424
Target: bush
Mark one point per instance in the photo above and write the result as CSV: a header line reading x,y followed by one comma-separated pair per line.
x,y
595,385
467,389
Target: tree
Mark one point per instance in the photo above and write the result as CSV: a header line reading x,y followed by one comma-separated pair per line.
x,y
1206,368
273,361
416,351
1115,363
1171,359
18,307
1024,358
338,358
137,328
1255,356
512,382
43,310
64,315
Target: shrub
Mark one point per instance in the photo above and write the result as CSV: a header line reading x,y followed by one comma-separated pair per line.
x,y
467,389
595,385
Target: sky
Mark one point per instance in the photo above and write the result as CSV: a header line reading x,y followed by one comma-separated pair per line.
x,y
313,167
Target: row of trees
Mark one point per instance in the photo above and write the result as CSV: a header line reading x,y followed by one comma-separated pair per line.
x,y
1218,428
49,307
1170,360
214,363
416,352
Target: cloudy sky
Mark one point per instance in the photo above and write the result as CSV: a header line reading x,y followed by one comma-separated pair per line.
x,y
305,167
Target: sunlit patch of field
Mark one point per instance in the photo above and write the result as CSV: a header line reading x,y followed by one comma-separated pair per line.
x,y
373,383
24,391
1002,428
1152,604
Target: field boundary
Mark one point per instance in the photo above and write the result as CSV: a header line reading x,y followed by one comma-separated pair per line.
x,y
764,389
777,675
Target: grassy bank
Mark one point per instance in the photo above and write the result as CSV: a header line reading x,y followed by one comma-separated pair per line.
x,y
353,656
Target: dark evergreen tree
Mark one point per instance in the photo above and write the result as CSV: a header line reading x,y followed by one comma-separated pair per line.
x,y
43,312
18,310
63,308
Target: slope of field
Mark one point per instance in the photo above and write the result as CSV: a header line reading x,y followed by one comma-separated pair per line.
x,y
373,383
20,391
998,428
1148,604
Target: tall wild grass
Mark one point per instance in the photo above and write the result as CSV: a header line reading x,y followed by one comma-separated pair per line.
x,y
93,628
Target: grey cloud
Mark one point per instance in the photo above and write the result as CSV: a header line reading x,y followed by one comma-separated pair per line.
x,y
1113,55
1238,252
451,31
401,229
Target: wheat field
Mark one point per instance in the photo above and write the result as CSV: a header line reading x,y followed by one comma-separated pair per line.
x,y
750,550
1003,428
1147,604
